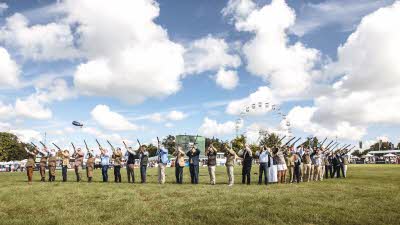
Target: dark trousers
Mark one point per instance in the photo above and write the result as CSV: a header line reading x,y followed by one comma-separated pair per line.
x,y
143,170
194,174
296,171
246,173
130,172
328,171
336,171
64,173
104,170
263,169
117,174
179,174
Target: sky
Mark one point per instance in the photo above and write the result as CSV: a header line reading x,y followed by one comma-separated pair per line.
x,y
143,69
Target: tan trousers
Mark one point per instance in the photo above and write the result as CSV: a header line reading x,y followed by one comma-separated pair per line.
x,y
231,176
78,172
161,173
29,173
321,174
317,172
306,172
291,173
211,171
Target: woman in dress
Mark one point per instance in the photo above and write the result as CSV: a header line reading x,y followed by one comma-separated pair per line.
x,y
273,169
281,165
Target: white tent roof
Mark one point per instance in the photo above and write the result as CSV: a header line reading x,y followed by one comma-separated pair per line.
x,y
368,155
389,155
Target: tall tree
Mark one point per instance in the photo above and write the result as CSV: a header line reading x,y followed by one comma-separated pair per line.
x,y
271,140
11,148
238,143
152,150
169,143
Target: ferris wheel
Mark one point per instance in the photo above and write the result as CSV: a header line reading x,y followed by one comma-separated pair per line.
x,y
265,107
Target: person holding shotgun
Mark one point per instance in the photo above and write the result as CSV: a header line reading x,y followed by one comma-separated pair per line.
x,y
89,163
78,155
179,164
104,161
162,160
117,156
211,154
265,163
247,156
130,157
30,164
194,159
65,162
144,159
44,154
230,163
52,165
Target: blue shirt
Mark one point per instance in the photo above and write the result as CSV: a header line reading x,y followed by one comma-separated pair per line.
x,y
162,155
105,160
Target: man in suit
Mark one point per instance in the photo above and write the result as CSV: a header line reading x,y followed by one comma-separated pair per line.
x,y
265,162
194,159
130,157
179,164
162,160
336,166
247,163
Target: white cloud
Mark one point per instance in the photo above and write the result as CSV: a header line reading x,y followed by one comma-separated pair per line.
x,y
156,117
3,7
27,135
263,95
287,67
209,54
6,111
176,115
169,125
48,42
227,79
369,91
240,9
140,62
32,108
301,118
343,13
9,71
111,120
211,128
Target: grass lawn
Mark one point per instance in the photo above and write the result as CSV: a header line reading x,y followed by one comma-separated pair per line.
x,y
369,195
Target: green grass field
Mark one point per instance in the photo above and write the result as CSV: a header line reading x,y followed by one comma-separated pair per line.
x,y
369,195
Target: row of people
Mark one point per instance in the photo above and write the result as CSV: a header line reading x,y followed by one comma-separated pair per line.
x,y
277,165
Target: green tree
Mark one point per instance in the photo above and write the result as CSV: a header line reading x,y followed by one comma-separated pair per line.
x,y
238,143
217,143
169,143
271,140
152,149
11,148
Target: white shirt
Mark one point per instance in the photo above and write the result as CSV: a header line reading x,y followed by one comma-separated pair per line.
x,y
264,157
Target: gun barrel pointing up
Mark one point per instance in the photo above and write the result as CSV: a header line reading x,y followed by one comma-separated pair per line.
x,y
327,147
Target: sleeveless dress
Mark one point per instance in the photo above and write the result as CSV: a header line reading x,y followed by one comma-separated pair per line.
x,y
273,172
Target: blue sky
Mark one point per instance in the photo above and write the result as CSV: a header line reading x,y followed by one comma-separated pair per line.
x,y
210,58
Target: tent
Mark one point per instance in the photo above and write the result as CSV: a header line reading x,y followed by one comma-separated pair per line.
x,y
389,155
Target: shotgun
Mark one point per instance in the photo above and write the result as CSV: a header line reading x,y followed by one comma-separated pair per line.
x,y
288,141
112,147
57,146
329,144
295,141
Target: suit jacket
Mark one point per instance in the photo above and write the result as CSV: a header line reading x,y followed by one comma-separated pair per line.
x,y
194,157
